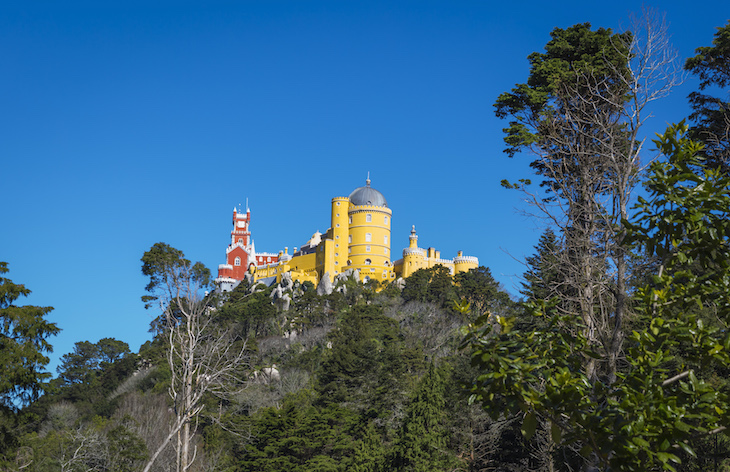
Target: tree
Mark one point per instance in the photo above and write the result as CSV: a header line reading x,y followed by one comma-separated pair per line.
x,y
421,445
88,358
204,358
480,289
24,334
711,115
167,267
579,114
434,284
660,405
542,278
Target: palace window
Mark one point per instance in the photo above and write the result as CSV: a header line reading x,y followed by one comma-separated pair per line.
x,y
368,262
386,220
368,237
368,217
349,239
367,248
385,239
237,262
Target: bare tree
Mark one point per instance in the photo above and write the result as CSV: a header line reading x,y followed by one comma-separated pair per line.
x,y
204,357
587,143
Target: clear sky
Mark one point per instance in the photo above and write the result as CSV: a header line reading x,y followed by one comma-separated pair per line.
x,y
125,123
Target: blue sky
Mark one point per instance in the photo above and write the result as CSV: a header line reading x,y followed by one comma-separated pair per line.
x,y
127,123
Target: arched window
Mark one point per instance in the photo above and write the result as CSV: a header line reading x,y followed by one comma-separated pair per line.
x,y
240,240
349,239
386,220
368,217
237,262
368,237
368,262
385,239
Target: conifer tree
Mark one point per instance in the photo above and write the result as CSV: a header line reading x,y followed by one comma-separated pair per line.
x,y
422,439
711,114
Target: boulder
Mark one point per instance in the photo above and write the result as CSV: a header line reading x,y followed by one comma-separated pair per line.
x,y
325,286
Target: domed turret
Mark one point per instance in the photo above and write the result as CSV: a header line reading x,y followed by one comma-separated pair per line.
x,y
368,237
367,196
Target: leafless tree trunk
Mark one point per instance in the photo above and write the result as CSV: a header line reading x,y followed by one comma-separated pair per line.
x,y
203,358
590,153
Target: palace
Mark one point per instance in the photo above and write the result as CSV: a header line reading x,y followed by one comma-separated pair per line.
x,y
358,238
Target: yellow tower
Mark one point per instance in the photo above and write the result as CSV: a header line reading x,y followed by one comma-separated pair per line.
x,y
369,220
340,232
413,256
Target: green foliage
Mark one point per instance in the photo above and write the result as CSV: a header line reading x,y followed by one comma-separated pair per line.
x,y
710,114
481,291
364,368
569,56
88,358
24,334
168,270
543,272
421,443
299,438
369,453
659,406
99,445
254,313
430,285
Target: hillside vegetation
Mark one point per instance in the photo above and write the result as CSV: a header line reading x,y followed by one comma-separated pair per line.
x,y
616,359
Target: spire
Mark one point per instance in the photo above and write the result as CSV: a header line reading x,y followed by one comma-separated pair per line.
x,y
367,181
413,239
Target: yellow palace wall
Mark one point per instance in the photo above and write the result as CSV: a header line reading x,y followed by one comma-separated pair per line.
x,y
359,238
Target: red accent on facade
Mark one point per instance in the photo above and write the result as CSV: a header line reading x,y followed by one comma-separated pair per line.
x,y
241,249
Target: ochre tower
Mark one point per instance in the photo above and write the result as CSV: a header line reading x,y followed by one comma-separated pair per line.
x,y
413,256
340,233
369,220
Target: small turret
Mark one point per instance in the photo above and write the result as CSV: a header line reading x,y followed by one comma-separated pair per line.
x,y
413,239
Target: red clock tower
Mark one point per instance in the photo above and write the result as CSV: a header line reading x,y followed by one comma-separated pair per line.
x,y
240,253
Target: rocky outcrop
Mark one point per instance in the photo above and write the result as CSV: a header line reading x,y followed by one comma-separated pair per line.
x,y
325,286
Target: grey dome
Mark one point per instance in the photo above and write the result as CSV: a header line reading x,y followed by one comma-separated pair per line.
x,y
367,196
